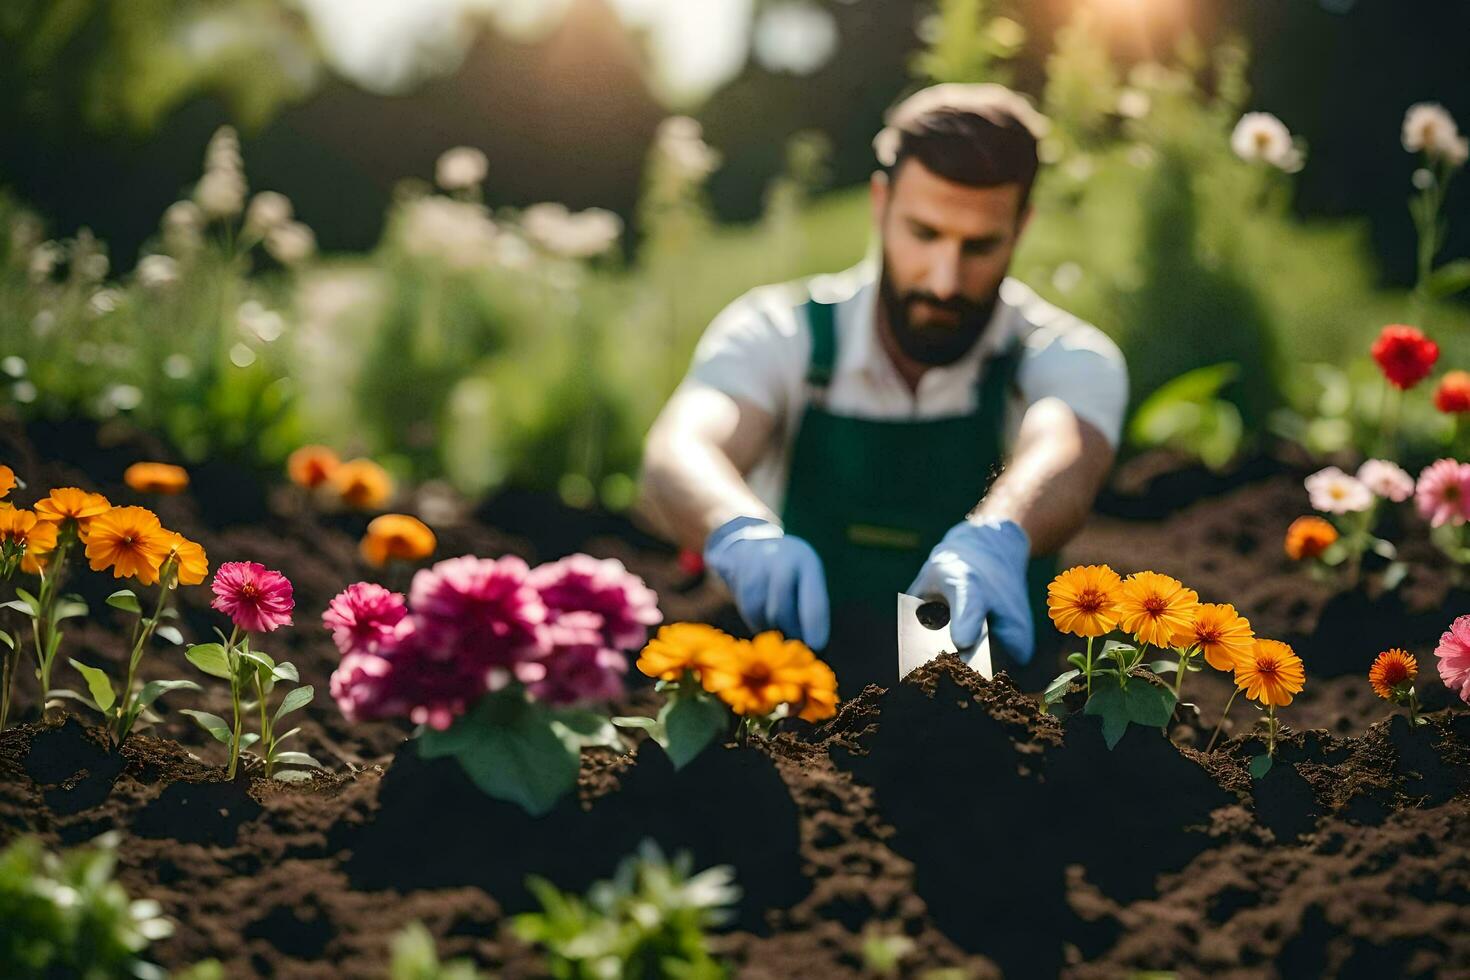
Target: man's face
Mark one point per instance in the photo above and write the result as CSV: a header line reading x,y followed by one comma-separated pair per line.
x,y
946,249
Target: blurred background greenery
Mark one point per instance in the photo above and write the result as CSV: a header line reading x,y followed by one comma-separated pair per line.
x,y
454,324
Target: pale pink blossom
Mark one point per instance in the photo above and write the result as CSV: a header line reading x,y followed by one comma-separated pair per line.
x,y
1443,493
1453,654
1386,479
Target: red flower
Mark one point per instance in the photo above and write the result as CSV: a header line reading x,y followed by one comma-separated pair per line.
x,y
1405,355
1453,394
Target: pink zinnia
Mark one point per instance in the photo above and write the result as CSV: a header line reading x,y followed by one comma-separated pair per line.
x,y
478,609
1387,479
579,668
1443,493
1453,654
402,681
580,583
362,617
256,598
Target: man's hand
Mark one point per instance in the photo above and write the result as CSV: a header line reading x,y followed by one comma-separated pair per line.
x,y
777,579
979,568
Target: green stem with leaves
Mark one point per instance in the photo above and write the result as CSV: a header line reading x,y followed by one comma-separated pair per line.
x,y
43,625
267,739
1221,723
1184,654
237,722
1271,725
142,632
1088,671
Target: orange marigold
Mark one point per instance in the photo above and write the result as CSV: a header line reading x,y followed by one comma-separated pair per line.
x,y
1391,669
362,484
21,529
311,466
1221,634
1083,601
72,504
679,647
130,541
7,480
819,696
1156,608
755,677
156,478
191,563
397,536
1308,537
1271,673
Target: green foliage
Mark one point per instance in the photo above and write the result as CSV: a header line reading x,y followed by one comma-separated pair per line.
x,y
686,724
415,958
63,915
1188,415
253,676
647,922
1139,702
966,42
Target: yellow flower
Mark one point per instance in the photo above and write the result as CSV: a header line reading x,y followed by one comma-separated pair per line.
x,y
72,504
311,466
1271,673
192,564
1155,608
7,480
156,478
679,647
1083,601
397,536
1221,634
362,484
130,541
1392,668
819,697
755,677
21,529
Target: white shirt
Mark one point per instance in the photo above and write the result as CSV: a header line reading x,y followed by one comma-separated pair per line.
x,y
759,347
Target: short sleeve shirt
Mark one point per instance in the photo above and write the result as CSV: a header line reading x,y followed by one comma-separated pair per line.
x,y
759,347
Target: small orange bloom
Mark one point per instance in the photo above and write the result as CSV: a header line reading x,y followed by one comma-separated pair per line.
x,y
1308,537
1391,669
1221,634
72,504
311,466
1156,608
1083,601
192,562
7,480
130,541
755,677
156,478
362,484
1453,395
819,697
397,536
679,647
23,530
1272,673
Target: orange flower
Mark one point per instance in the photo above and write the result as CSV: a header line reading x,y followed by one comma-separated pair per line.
x,y
1083,601
819,696
679,647
397,536
311,466
156,477
1308,537
1271,673
7,480
755,677
21,529
1156,608
72,504
130,541
192,563
1391,669
1221,634
362,484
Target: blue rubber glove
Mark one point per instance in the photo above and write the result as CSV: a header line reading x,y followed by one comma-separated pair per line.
x,y
979,568
776,578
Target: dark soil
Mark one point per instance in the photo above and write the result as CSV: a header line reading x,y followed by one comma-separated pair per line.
x,y
947,809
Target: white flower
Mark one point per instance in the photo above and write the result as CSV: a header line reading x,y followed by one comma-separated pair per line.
x,y
1459,152
183,227
103,302
291,243
794,36
157,271
43,260
1387,479
1260,136
1430,129
268,210
1133,103
259,323
220,193
577,235
680,141
461,168
223,151
1334,492
458,233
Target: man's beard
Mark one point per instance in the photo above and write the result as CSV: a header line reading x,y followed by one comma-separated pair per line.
x,y
934,344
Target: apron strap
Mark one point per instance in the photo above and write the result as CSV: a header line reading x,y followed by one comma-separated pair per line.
x,y
822,325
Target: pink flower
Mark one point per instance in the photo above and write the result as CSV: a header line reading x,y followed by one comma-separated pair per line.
x,y
403,681
477,610
362,617
1387,479
579,667
580,583
1334,492
1443,493
256,598
1453,654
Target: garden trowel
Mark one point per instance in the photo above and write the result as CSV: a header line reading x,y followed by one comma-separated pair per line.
x,y
923,634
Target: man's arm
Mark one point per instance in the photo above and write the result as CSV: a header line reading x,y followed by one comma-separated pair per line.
x,y
1056,470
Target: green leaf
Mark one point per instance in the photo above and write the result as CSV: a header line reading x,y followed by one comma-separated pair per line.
x,y
691,722
19,606
1164,666
297,759
154,689
1108,702
1077,660
213,724
635,721
1394,575
282,738
1449,279
510,751
261,661
210,658
1149,704
125,600
33,605
581,728
1260,765
292,776
286,672
1058,687
1118,648
169,633
98,684
7,639
248,739
68,608
297,698
62,692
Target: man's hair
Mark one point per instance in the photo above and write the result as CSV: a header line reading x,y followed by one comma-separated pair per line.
x,y
980,135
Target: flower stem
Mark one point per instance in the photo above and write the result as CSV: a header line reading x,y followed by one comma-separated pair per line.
x,y
1088,671
1221,723
233,659
1271,730
265,727
1413,708
7,673
44,626
1179,674
142,632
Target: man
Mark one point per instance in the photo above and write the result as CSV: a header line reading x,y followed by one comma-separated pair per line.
x,y
836,440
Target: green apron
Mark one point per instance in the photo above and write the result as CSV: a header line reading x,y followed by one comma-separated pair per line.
x,y
874,496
